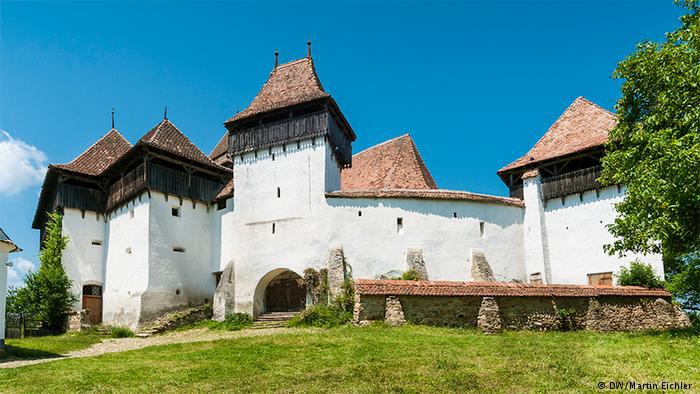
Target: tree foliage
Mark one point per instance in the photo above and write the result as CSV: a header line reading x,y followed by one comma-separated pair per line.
x,y
654,150
639,274
46,295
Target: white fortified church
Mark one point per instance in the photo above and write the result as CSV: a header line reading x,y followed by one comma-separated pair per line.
x,y
158,225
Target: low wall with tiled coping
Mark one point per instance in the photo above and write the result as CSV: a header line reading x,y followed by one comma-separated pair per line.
x,y
494,306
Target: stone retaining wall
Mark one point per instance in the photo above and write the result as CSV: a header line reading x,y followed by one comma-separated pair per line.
x,y
493,313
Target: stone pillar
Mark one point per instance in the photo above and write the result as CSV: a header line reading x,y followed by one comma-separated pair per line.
x,y
414,261
534,231
78,320
393,314
481,270
336,270
225,297
489,320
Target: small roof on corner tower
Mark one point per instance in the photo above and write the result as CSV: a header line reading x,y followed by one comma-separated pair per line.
x,y
289,84
98,157
582,126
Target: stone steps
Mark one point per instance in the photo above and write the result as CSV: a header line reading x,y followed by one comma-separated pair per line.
x,y
273,320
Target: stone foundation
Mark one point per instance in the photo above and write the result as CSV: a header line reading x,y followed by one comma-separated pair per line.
x,y
492,314
78,321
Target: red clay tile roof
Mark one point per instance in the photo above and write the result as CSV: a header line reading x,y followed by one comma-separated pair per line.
x,y
226,192
102,154
167,137
394,164
429,194
289,84
584,125
220,149
496,289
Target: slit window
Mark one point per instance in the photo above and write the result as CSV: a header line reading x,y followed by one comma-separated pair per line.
x,y
131,214
279,193
96,242
359,213
175,212
399,225
481,228
178,249
273,228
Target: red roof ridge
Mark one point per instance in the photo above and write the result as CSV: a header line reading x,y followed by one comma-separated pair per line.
x,y
76,166
575,130
382,143
503,289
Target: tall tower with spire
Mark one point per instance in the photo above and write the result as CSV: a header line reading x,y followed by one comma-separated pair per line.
x,y
292,130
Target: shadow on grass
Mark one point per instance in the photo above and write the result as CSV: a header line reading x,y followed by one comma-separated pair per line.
x,y
14,353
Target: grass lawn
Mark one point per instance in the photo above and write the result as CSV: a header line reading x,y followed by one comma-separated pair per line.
x,y
49,346
371,359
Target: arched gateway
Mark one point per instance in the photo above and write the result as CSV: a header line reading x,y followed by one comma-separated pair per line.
x,y
280,290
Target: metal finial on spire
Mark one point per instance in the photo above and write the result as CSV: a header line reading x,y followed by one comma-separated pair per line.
x,y
308,46
165,113
277,56
112,117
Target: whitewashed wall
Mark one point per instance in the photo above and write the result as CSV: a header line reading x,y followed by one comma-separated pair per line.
x,y
576,233
4,249
188,273
83,261
307,226
126,273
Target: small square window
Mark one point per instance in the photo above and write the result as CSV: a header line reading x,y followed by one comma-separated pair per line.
x,y
175,212
128,250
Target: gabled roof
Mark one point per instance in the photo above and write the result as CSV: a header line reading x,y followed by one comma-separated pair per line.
x,y
394,164
4,238
102,154
495,289
220,149
289,84
167,137
584,125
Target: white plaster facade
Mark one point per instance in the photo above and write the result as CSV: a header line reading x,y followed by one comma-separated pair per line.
x,y
280,219
6,247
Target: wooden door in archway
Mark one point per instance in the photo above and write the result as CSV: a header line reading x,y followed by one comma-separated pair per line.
x,y
285,293
92,301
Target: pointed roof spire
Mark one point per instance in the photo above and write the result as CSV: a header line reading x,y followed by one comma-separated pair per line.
x,y
165,113
308,47
98,157
112,117
277,58
583,125
167,137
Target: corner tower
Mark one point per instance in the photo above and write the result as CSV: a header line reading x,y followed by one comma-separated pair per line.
x,y
289,145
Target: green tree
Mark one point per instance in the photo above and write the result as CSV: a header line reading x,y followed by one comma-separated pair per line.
x,y
639,274
654,151
46,295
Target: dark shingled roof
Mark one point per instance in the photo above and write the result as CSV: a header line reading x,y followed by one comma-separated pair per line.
x,y
102,154
496,289
394,164
289,84
226,192
167,137
584,125
4,238
220,149
426,194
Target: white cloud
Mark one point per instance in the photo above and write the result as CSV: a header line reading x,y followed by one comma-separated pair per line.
x,y
21,165
15,274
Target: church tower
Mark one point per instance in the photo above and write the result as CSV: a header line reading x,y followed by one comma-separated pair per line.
x,y
288,146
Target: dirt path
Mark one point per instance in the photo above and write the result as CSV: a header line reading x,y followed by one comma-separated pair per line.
x,y
126,344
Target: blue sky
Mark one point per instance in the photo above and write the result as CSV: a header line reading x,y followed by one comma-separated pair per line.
x,y
475,83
